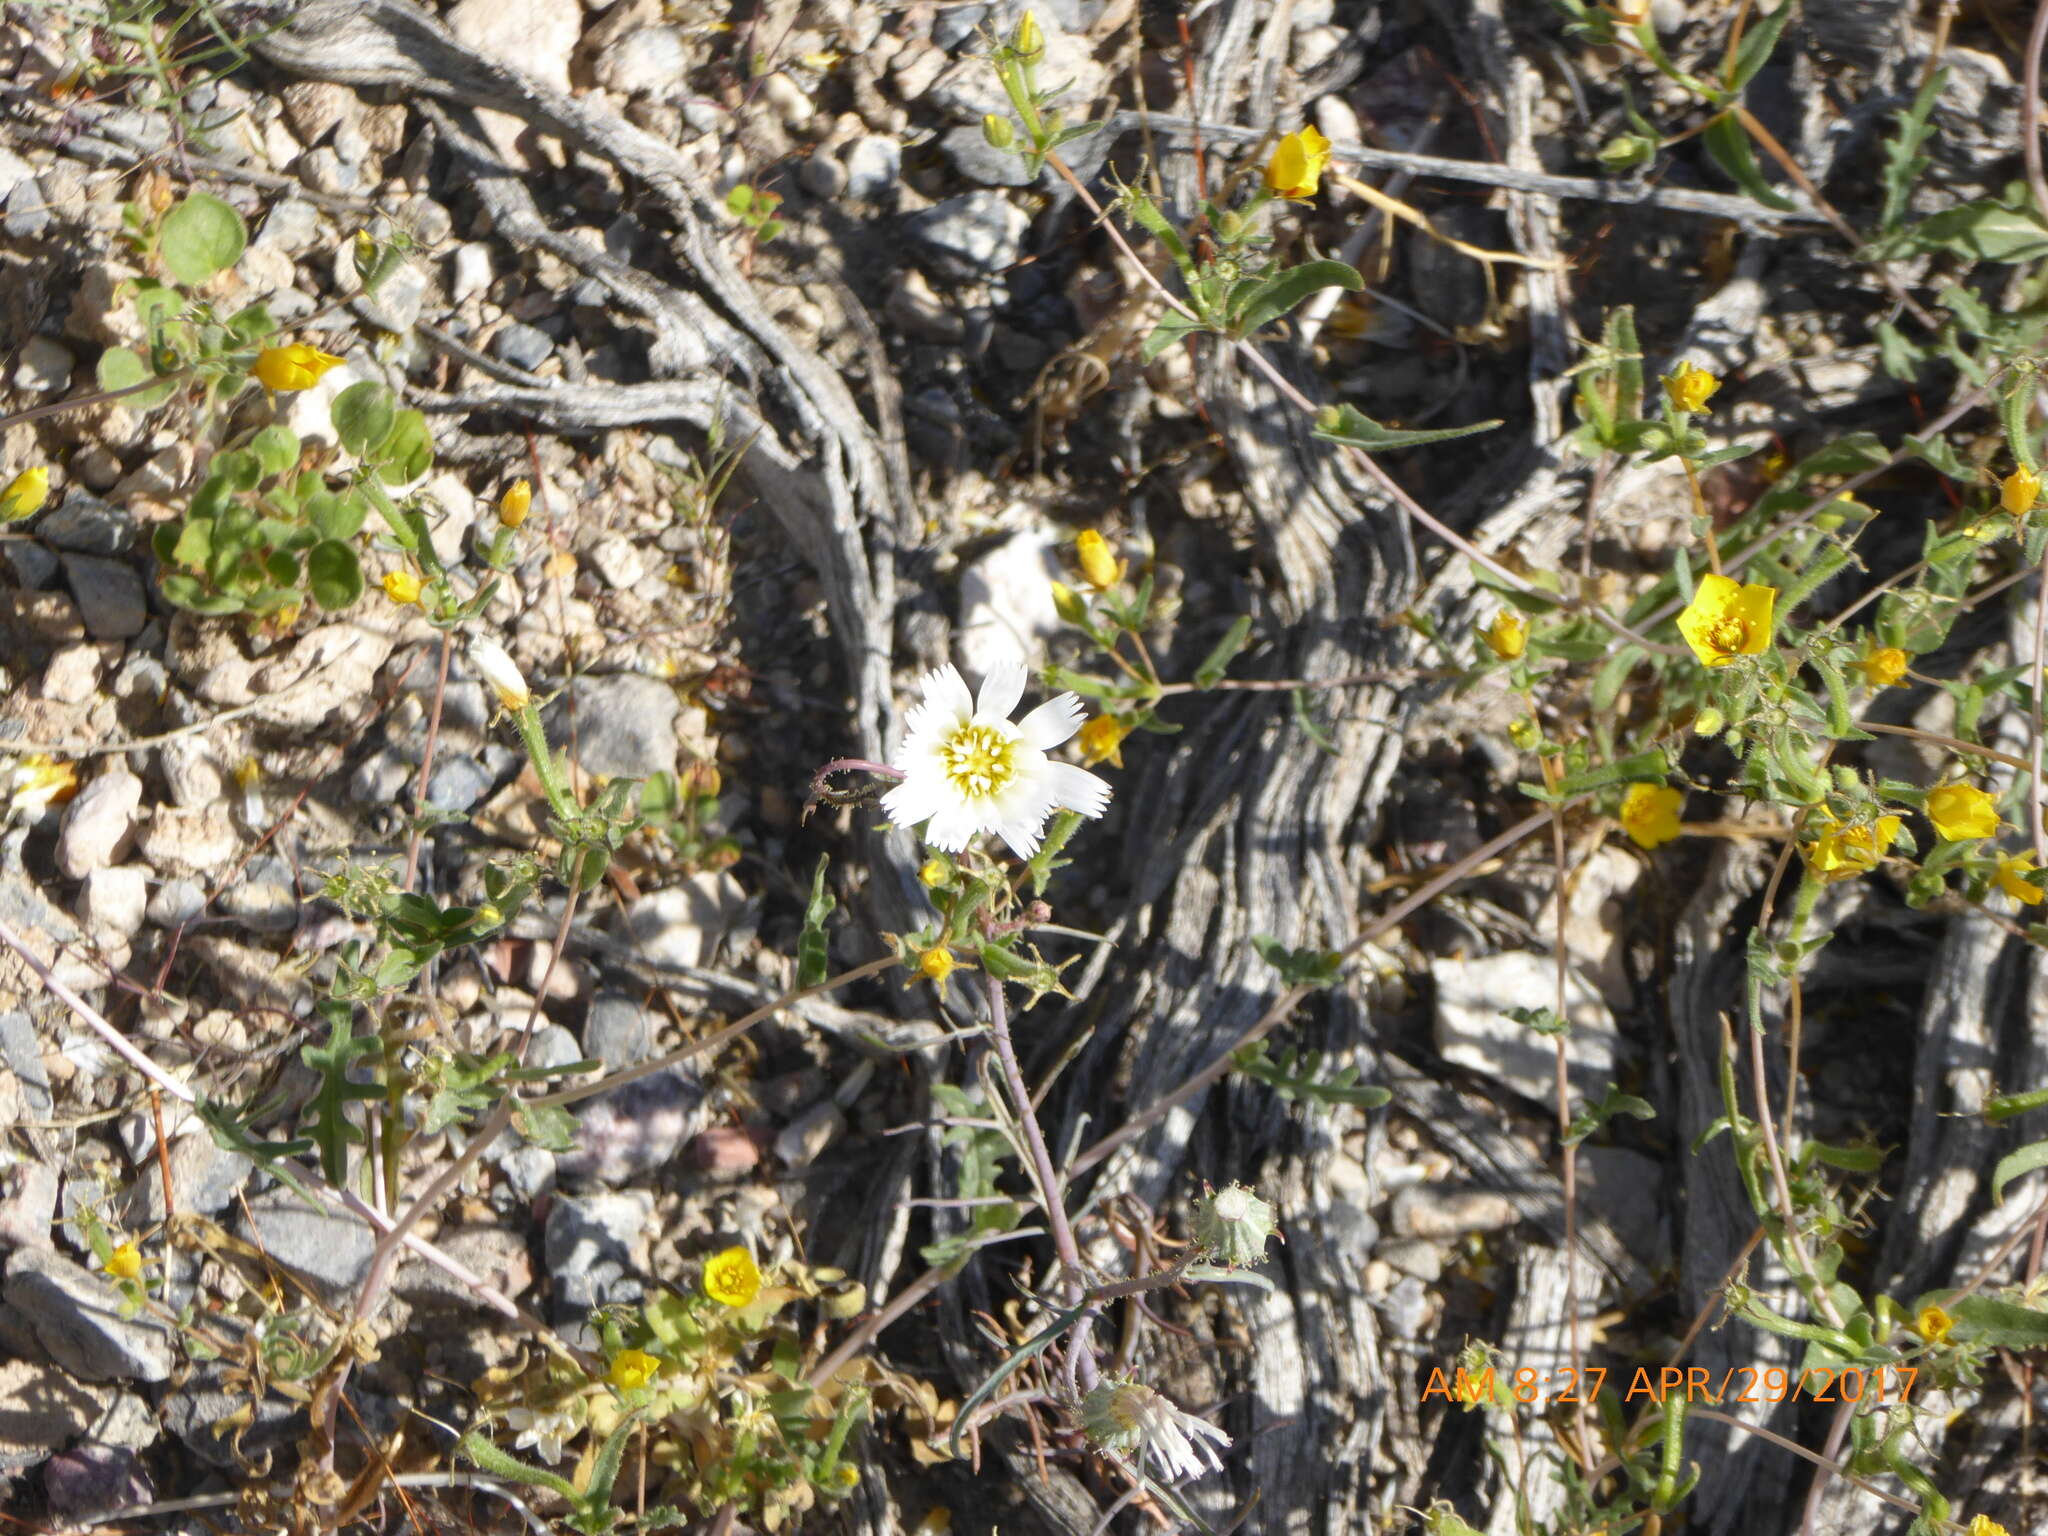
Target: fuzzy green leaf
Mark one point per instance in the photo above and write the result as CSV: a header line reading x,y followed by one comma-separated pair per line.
x,y
1347,424
202,236
813,957
1726,141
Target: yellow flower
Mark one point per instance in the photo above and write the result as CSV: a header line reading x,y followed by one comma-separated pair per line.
x,y
1101,569
1961,812
1984,1525
40,781
1725,620
1297,166
935,873
298,366
1690,388
633,1368
1841,852
846,1474
1649,814
2018,491
1884,666
25,494
1102,741
1507,636
1933,1325
731,1278
401,587
936,963
2011,878
513,505
125,1262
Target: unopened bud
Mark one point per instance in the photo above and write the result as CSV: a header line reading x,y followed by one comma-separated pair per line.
x,y
998,130
1233,1224
1028,40
1709,722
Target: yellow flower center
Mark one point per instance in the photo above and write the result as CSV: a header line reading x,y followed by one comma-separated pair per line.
x,y
1728,634
980,760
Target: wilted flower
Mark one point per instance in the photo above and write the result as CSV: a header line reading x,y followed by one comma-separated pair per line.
x,y
1726,619
401,587
2011,878
936,963
1507,636
969,769
935,872
1131,1419
2018,491
1933,1324
1649,814
1233,1224
297,366
1102,741
732,1278
1884,666
40,782
25,494
1690,388
633,1368
1984,1525
1840,852
1297,166
1961,812
513,505
543,1431
497,669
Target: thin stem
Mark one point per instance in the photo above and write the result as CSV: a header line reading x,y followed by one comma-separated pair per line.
x,y
1835,1469
1822,1301
2030,110
2040,675
1034,1138
412,846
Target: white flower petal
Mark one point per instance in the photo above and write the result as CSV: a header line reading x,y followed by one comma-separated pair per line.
x,y
952,827
945,690
1076,789
1001,690
1052,722
918,798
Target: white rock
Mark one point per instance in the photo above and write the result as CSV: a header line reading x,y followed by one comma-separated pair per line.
x,y
651,61
535,37
98,824
619,561
198,842
44,367
1473,1029
450,517
472,274
682,924
73,675
113,901
1006,602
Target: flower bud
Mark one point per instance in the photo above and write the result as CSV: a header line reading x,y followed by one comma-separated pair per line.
x,y
1028,40
1507,636
513,505
1066,602
2018,491
1233,1224
998,130
501,673
401,587
937,870
1691,388
1101,568
285,369
1709,722
936,963
1525,733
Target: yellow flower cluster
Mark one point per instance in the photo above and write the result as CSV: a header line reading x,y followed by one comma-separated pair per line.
x,y
1102,740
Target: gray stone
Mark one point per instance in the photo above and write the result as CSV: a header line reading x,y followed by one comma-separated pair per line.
x,y
809,1134
176,903
203,1411
618,1031
330,1249
1405,1308
874,167
635,1129
620,561
497,1255
109,594
45,366
28,211
590,1246
472,274
1414,1256
28,1204
77,1316
41,1408
398,300
1006,606
978,160
459,782
23,1054
553,1046
624,726
977,235
682,924
205,1177
73,675
1434,1211
646,61
99,823
379,777
84,524
529,1171
522,345
1474,1031
293,226
94,1480
13,172
113,900
34,567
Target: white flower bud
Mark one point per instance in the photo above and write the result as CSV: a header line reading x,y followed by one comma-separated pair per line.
x,y
1233,1224
497,669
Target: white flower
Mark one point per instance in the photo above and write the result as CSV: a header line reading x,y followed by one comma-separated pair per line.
x,y
969,769
1130,1418
497,668
543,1433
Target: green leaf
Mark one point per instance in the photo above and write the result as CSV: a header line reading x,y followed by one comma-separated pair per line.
x,y
1986,230
194,596
336,517
1641,765
202,236
1217,662
1172,327
549,1126
2002,1324
1938,451
1047,858
333,574
363,416
276,448
408,452
1903,161
2013,1164
1900,357
1300,967
1279,295
478,1448
2007,1106
1756,47
328,1108
604,1469
1347,424
813,957
1726,141
1613,1102
1028,1351
120,368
